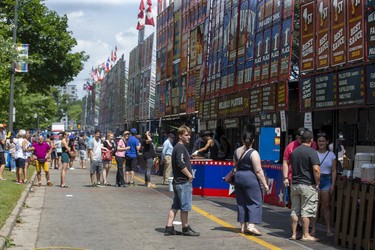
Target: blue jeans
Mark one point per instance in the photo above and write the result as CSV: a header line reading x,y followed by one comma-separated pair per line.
x,y
149,163
182,196
12,164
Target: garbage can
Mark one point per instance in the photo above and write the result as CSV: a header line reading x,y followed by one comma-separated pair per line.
x,y
158,151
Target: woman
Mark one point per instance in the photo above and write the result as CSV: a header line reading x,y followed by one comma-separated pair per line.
x,y
53,152
64,158
59,150
110,145
327,179
120,157
72,152
148,157
247,182
21,156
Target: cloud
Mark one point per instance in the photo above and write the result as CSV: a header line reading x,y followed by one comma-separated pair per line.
x,y
73,16
92,2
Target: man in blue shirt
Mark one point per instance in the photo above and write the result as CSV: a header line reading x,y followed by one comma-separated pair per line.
x,y
166,157
131,156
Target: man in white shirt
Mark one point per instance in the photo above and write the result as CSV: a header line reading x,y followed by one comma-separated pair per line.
x,y
166,157
95,155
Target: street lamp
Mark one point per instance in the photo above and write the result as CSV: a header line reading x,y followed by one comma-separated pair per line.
x,y
12,73
36,124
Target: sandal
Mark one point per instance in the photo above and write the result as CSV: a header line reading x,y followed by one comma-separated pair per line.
x,y
64,186
107,184
253,231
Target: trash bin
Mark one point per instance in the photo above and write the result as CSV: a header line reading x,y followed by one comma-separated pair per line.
x,y
170,184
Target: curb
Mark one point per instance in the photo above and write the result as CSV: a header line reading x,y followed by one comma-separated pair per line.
x,y
7,229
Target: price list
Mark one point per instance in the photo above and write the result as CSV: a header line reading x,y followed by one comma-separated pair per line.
x,y
268,98
306,93
281,96
255,101
370,81
325,91
351,89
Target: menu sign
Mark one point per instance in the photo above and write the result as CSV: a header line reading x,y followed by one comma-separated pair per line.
x,y
371,33
307,37
255,101
306,90
338,32
235,104
213,108
268,98
325,91
323,34
356,43
281,102
350,84
370,83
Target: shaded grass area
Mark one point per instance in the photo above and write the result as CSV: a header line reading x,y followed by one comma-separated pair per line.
x,y
10,193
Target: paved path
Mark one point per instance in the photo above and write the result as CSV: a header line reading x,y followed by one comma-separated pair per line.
x,y
82,217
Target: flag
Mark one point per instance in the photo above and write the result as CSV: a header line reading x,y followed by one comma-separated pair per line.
x,y
141,16
160,6
108,66
23,53
114,55
89,86
149,17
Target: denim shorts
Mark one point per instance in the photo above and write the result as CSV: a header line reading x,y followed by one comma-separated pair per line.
x,y
325,182
20,163
182,196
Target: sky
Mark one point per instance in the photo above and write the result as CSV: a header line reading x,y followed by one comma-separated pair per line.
x,y
99,26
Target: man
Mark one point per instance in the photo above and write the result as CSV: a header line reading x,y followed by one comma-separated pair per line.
x,y
182,185
199,143
166,157
131,156
82,150
211,147
42,150
305,184
95,155
2,151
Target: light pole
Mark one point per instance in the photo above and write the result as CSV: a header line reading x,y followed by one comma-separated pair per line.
x,y
12,73
36,124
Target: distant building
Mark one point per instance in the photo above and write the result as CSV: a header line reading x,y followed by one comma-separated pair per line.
x,y
71,91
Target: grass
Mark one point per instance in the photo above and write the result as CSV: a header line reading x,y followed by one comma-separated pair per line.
x,y
10,193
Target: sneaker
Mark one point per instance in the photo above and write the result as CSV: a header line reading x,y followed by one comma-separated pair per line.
x,y
49,184
99,183
170,231
187,231
94,185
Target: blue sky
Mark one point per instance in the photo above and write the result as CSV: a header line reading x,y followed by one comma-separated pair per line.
x,y
100,25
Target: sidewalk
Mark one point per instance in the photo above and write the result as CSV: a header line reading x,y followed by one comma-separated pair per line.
x,y
83,217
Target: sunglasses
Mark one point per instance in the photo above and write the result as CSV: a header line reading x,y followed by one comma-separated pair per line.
x,y
322,134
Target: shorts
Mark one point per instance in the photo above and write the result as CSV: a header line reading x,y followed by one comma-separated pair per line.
x,y
53,155
59,154
40,165
82,155
183,196
96,167
2,158
325,182
304,200
65,157
131,164
20,163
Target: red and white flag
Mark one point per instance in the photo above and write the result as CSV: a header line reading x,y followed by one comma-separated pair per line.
x,y
149,17
160,6
141,16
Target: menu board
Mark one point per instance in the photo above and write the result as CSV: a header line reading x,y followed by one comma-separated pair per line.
x,y
307,37
268,98
323,34
370,83
350,84
282,96
325,91
356,42
306,90
338,33
255,101
371,33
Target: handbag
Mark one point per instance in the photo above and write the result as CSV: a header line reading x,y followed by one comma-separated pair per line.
x,y
107,155
229,178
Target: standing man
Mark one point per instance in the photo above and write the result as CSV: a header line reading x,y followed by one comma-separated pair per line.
x,y
42,150
182,185
305,185
166,158
3,140
131,156
95,155
82,150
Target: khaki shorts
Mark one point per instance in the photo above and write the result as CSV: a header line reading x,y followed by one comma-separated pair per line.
x,y
304,200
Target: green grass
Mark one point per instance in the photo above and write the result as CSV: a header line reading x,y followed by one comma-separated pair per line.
x,y
10,193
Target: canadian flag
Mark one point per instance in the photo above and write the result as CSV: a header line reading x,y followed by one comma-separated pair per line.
x,y
141,16
149,17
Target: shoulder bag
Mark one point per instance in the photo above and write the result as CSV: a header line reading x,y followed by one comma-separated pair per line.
x,y
229,178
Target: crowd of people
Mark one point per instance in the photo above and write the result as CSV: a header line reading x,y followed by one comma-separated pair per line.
x,y
309,170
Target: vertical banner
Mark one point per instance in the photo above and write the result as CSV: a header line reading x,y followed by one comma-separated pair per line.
x,y
268,13
258,57
371,33
338,33
307,32
23,53
251,30
260,16
356,42
275,52
177,36
193,48
288,8
323,34
286,45
266,56
190,94
242,40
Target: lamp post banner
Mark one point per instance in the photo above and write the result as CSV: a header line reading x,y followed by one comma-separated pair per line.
x,y
23,51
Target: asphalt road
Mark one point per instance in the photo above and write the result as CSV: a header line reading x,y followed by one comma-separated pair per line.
x,y
109,217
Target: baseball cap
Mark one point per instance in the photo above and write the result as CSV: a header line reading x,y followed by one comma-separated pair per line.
x,y
300,131
126,132
133,131
340,137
